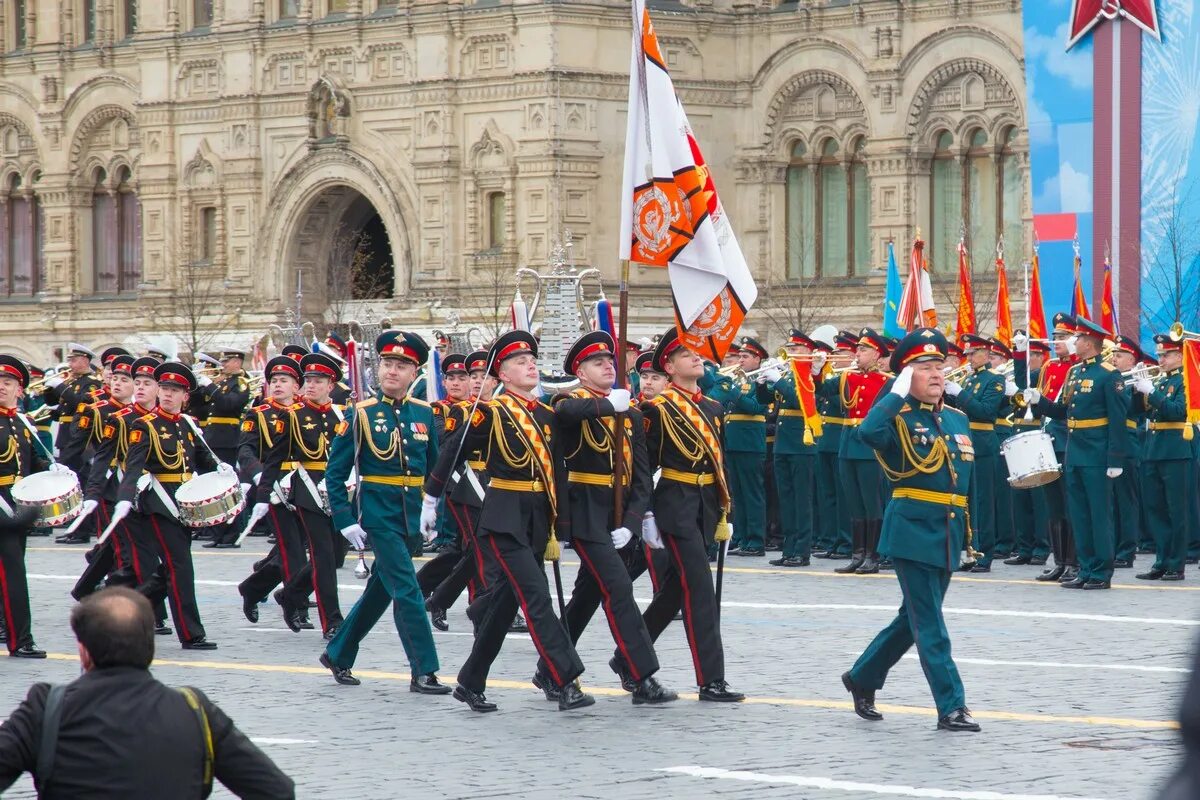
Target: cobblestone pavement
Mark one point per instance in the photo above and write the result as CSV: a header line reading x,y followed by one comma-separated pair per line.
x,y
1075,691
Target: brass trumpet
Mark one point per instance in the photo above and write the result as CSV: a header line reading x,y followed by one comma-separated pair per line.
x,y
1178,334
39,386
1147,371
959,373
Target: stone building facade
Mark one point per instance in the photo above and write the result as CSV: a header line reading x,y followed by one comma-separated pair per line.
x,y
153,148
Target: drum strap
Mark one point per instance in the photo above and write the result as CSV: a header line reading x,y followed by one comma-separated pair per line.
x,y
307,480
164,496
6,508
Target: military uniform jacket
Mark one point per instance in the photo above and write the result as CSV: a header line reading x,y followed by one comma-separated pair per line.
x,y
926,519
225,400
981,399
108,460
1167,409
586,440
790,426
72,397
340,394
89,430
746,410
854,393
506,451
300,437
261,426
163,445
674,443
20,455
396,447
830,440
1049,380
1093,404
462,491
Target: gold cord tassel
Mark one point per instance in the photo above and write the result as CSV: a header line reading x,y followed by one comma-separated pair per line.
x,y
553,549
808,436
723,530
1189,432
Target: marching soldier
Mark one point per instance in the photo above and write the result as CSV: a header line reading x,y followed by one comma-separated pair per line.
x,y
855,392
796,454
223,402
1167,461
1127,489
590,419
1093,404
926,449
999,355
163,445
834,520
21,455
1031,518
390,441
308,428
72,394
980,397
515,431
651,382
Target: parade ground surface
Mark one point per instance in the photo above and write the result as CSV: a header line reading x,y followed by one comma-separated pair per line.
x,y
1076,692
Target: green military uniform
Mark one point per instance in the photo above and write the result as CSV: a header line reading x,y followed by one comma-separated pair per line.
x,y
746,452
396,447
833,512
1093,405
795,466
927,454
1127,489
1168,473
1030,517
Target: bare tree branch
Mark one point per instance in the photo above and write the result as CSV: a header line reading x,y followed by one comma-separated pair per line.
x,y
199,313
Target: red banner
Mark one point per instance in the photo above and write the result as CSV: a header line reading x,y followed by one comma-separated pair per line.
x,y
1191,379
966,297
1004,328
1108,309
806,393
1037,309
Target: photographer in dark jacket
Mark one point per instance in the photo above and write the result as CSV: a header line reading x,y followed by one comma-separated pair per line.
x,y
121,733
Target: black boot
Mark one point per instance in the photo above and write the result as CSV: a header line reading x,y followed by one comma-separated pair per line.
x,y
1069,556
858,537
1056,547
870,564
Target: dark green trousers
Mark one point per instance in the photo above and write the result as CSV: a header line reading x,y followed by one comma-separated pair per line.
x,y
1090,505
1006,529
795,478
919,621
1127,510
833,531
862,488
749,499
981,500
1031,520
1167,509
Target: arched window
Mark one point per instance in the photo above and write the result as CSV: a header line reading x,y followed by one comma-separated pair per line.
x,y
833,201
497,220
288,9
20,239
17,21
860,202
946,196
116,234
202,13
129,12
983,211
1011,193
801,202
89,21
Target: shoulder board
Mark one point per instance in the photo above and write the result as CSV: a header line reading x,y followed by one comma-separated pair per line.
x,y
370,401
295,406
416,401
658,401
123,412
954,410
98,404
1108,366
263,407
905,407
147,417
437,410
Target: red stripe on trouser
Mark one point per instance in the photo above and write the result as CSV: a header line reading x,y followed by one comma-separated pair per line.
x,y
313,561
612,620
690,623
180,617
287,572
655,579
133,554
537,642
9,622
116,545
469,540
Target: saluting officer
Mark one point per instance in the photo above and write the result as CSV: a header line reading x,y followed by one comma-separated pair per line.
x,y
390,440
516,432
1169,474
926,448
590,420
163,446
1093,404
21,455
980,397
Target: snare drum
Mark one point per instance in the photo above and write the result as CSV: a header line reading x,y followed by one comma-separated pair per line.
x,y
1031,459
213,498
55,496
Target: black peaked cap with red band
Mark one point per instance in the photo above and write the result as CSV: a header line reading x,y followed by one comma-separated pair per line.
x,y
282,365
454,363
645,362
14,367
121,365
667,345
477,360
404,345
145,366
510,345
590,345
110,353
294,351
173,373
321,366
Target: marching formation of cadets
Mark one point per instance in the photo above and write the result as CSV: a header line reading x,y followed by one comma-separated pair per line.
x,y
898,467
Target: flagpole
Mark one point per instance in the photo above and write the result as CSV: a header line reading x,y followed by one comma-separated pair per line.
x,y
623,383
1028,340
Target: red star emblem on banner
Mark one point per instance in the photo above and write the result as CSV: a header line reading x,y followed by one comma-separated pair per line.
x,y
1086,14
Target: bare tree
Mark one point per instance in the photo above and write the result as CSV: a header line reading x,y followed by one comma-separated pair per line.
x,y
488,289
353,276
1170,289
200,311
802,302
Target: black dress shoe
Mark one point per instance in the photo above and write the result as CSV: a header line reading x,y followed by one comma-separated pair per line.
x,y
229,545
1051,575
1074,583
650,692
1069,574
543,682
305,623
777,562
28,651
719,692
212,544
72,538
750,552
617,665
342,676
1173,576
200,643
981,568
1152,575
959,720
796,562
864,699
1037,560
428,684
966,566
329,634
291,614
518,625
886,563
571,697
163,630
1095,584
437,616
474,700
250,608
1015,560
1123,563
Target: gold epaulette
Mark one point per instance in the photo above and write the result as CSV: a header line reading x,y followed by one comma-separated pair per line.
x,y
418,401
1108,366
955,410
658,401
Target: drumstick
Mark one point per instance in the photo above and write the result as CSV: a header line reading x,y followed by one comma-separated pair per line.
x,y
78,521
254,518
112,526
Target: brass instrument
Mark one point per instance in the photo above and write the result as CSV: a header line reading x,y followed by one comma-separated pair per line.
x,y
39,386
1147,371
1178,334
40,414
959,373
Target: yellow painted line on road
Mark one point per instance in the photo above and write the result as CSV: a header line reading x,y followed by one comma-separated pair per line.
x,y
604,691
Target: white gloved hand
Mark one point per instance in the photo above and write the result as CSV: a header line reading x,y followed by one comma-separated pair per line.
x,y
903,383
260,510
1020,343
953,388
621,537
650,534
204,381
619,399
355,535
1143,386
770,376
257,478
429,518
54,382
1032,396
88,507
1071,344
818,361
225,469
1114,472
245,489
1010,387
121,509
58,466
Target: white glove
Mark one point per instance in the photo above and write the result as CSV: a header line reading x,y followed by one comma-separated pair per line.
x,y
204,380
1143,386
1020,343
58,466
88,507
770,376
257,478
953,388
245,489
619,399
1032,396
621,536
260,510
818,361
903,383
650,534
121,509
429,518
54,382
224,469
1114,472
1071,344
1010,387
356,536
